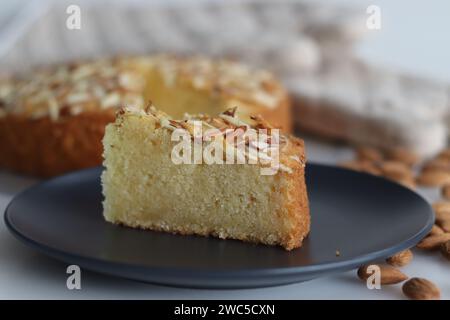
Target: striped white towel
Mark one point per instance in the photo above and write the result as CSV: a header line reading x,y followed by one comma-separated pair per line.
x,y
307,44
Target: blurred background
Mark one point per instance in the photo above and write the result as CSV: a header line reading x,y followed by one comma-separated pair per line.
x,y
412,37
383,87
386,86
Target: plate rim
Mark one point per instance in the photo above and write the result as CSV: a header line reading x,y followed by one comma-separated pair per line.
x,y
319,269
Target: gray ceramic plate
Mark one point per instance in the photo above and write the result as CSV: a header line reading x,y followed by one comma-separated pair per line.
x,y
362,216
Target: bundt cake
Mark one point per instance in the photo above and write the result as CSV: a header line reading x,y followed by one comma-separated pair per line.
x,y
52,120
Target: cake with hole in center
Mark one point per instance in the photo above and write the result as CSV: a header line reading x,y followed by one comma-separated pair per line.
x,y
250,187
52,119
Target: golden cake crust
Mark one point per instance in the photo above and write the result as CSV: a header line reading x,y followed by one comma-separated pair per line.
x,y
44,148
290,198
52,119
297,208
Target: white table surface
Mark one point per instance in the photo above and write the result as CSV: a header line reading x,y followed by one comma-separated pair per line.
x,y
26,274
411,39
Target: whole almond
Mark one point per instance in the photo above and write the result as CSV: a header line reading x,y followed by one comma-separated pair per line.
x,y
389,275
400,259
435,230
361,165
398,172
369,153
369,167
403,155
444,154
408,182
441,205
437,165
446,191
433,242
445,225
421,289
352,165
433,178
442,211
445,249
395,170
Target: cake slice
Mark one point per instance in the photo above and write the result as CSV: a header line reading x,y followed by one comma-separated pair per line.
x,y
151,183
52,119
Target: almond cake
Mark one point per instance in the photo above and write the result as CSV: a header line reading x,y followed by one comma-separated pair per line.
x,y
144,188
52,119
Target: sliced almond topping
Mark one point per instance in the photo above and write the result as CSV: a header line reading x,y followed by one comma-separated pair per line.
x,y
78,98
110,100
233,120
53,108
268,100
261,123
285,168
230,112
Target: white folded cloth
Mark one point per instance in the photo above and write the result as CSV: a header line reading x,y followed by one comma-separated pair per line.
x,y
307,44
